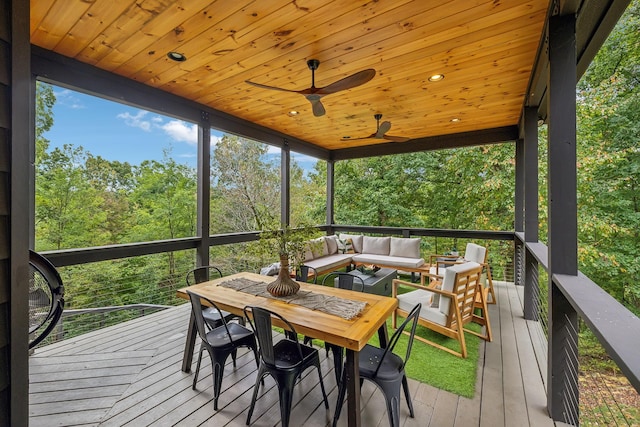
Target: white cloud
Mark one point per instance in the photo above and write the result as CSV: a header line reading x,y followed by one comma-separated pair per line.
x,y
181,131
137,120
67,98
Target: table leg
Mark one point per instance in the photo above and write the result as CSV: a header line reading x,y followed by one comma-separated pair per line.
x,y
352,369
189,344
383,335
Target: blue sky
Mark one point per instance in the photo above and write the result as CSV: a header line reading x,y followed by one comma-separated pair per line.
x,y
120,132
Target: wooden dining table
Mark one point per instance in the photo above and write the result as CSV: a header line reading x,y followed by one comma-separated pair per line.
x,y
352,334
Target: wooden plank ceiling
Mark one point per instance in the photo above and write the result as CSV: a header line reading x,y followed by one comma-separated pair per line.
x,y
484,48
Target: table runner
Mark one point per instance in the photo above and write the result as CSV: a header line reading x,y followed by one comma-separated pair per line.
x,y
341,307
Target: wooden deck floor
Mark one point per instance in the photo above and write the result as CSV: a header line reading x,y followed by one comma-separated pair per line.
x,y
129,374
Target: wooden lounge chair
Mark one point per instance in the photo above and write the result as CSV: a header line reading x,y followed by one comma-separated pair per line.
x,y
448,305
473,252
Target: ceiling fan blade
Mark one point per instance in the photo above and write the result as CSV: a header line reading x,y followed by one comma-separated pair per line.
x,y
272,87
384,128
373,135
395,138
348,82
316,105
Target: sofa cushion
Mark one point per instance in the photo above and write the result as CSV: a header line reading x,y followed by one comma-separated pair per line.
x,y
355,238
375,245
408,248
332,244
399,262
329,262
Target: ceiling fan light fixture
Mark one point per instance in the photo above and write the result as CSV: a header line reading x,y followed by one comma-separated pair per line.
x,y
436,77
176,56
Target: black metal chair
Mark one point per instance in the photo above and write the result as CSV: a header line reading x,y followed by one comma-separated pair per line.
x,y
203,274
345,281
386,370
211,316
284,361
46,298
220,342
302,273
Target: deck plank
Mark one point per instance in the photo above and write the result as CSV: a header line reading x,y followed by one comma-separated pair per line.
x,y
129,374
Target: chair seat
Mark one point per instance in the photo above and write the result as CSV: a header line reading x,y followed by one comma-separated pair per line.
x,y
212,316
408,300
392,365
287,356
218,337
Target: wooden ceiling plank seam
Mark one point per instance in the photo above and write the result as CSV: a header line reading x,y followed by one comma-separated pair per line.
x,y
246,39
247,52
198,29
409,83
399,40
53,26
406,42
90,25
38,11
300,73
139,14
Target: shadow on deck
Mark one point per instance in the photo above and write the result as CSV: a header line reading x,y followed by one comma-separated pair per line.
x,y
129,374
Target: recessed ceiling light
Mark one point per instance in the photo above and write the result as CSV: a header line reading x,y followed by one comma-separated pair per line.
x,y
346,137
455,120
436,77
293,113
176,56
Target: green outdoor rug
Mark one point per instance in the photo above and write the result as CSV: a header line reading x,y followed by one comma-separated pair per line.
x,y
436,367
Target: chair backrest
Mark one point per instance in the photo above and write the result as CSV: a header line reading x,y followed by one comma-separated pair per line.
x,y
411,318
202,274
260,321
345,280
475,253
302,273
196,307
462,280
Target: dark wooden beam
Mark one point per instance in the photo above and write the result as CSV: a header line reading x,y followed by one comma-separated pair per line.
x,y
464,139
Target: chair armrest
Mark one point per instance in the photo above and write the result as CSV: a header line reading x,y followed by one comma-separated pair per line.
x,y
396,282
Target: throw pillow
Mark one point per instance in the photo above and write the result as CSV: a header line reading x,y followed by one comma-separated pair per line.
x,y
332,244
342,247
348,244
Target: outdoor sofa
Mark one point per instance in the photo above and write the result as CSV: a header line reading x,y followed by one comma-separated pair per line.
x,y
329,253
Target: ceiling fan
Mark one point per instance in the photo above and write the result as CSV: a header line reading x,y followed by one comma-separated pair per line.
x,y
381,132
313,94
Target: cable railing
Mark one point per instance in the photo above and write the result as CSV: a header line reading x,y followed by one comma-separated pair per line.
x,y
600,381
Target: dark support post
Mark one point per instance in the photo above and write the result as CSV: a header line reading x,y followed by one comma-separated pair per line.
x,y
530,164
562,384
204,189
17,124
285,184
330,192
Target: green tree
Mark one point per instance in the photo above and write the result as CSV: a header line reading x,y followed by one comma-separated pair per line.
x,y
245,186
